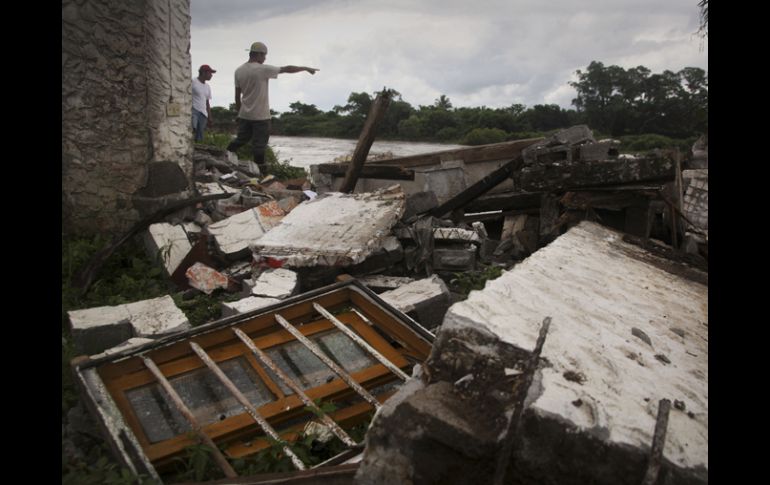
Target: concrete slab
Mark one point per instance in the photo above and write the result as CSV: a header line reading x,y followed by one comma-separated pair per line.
x,y
334,229
246,305
425,300
97,329
603,382
276,283
169,243
156,317
233,235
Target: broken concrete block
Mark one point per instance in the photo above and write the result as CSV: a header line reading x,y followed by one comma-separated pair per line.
x,y
130,343
99,328
695,203
276,283
270,214
425,300
454,259
382,259
333,229
444,234
96,329
419,203
379,283
156,317
558,147
599,293
603,150
207,279
167,243
234,234
246,305
564,176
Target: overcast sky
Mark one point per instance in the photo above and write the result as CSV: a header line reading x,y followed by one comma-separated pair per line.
x,y
476,52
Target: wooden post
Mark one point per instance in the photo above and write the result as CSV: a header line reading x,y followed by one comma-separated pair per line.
x,y
658,442
365,140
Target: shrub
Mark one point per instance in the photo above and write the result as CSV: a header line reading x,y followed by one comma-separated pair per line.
x,y
484,136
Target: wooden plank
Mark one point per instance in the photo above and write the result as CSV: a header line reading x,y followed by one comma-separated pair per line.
x,y
658,442
368,171
376,113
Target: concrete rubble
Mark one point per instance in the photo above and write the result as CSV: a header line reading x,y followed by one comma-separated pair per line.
x,y
95,330
333,229
596,388
627,327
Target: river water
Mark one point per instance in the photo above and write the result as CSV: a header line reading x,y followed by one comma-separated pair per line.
x,y
303,151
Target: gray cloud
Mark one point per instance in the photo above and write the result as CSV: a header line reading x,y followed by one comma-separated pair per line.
x,y
489,52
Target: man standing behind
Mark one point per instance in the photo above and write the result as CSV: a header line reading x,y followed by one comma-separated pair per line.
x,y
201,94
252,102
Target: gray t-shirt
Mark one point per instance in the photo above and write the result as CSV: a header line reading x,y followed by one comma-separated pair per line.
x,y
252,78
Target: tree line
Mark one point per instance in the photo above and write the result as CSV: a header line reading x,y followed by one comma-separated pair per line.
x,y
611,100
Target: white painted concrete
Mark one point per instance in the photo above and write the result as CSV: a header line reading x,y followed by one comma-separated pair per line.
x,y
156,317
334,229
409,296
276,283
245,305
169,243
596,291
234,234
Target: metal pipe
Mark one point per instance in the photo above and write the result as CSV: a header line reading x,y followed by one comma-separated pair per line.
x,y
361,342
246,404
177,400
267,361
330,363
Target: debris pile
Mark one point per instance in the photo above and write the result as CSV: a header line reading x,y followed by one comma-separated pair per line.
x,y
423,231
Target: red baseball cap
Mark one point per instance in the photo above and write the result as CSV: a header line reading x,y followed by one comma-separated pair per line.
x,y
206,67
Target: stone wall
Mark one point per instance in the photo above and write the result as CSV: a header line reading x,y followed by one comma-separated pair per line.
x,y
126,103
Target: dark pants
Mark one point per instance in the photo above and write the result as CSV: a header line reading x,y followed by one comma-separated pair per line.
x,y
257,133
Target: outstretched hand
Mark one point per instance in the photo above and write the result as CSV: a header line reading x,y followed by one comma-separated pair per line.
x,y
312,70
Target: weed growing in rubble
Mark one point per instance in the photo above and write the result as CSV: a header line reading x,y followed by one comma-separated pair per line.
x,y
281,170
467,281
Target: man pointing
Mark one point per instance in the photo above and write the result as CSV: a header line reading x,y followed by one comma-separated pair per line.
x,y
253,104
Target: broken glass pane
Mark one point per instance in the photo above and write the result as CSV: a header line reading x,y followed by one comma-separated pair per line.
x,y
202,392
307,370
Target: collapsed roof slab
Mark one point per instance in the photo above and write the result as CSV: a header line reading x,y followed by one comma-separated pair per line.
x,y
624,334
333,229
626,330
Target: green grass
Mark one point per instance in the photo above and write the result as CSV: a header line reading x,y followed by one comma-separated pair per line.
x,y
281,170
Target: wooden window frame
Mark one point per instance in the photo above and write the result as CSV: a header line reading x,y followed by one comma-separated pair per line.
x,y
280,409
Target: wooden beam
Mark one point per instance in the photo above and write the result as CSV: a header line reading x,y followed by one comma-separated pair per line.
x,y
376,113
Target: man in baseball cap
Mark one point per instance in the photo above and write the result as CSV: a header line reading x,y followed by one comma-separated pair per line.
x,y
252,103
201,108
